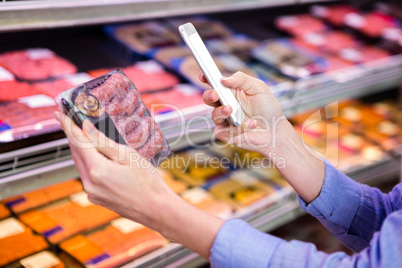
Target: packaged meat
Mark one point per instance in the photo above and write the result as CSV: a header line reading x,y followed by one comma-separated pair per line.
x,y
119,242
291,60
27,117
239,188
206,202
206,27
238,45
364,54
148,76
4,212
371,24
11,89
228,64
56,86
114,105
143,37
179,97
36,64
21,203
299,25
334,14
196,166
65,218
330,41
18,241
171,56
43,259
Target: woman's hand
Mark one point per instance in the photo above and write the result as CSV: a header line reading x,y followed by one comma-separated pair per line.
x,y
117,177
263,113
267,131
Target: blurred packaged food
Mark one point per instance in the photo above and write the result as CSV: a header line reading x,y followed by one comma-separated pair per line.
x,y
36,64
18,241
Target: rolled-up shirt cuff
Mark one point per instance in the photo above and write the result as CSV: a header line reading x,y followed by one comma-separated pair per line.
x,y
237,244
339,198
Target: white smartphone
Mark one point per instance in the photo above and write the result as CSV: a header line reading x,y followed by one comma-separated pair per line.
x,y
211,71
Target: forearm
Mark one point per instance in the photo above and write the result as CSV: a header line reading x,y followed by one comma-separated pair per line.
x,y
298,164
183,223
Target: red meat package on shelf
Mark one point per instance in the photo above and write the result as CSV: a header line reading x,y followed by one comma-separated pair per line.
x,y
113,104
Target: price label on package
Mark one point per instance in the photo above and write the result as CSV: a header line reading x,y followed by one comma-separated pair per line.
x,y
5,75
126,226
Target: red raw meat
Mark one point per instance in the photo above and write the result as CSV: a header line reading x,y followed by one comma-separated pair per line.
x,y
125,106
154,144
140,134
115,86
24,67
12,90
53,88
300,25
144,81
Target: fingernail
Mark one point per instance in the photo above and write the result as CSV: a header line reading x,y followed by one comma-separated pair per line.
x,y
57,116
89,127
226,109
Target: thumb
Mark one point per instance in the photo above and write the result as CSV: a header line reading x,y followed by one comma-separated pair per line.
x,y
109,148
242,81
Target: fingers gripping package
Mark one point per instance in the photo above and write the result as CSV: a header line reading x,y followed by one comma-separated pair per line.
x,y
113,104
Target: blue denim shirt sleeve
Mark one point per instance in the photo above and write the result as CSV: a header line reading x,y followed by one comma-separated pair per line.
x,y
346,209
351,211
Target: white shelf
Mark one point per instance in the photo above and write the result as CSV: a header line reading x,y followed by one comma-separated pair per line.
x,y
24,15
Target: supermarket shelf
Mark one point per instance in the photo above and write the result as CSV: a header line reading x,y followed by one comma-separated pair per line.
x,y
23,15
175,255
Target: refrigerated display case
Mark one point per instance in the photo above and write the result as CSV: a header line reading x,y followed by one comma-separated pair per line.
x,y
37,161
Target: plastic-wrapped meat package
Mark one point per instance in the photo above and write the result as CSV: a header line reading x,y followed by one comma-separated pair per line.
x,y
228,64
333,14
20,120
56,86
170,55
364,54
21,203
36,64
300,25
119,242
148,76
114,105
67,217
238,45
179,97
331,41
207,28
372,24
17,241
11,89
288,58
143,37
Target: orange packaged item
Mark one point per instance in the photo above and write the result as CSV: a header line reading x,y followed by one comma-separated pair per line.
x,y
17,241
206,202
42,196
4,212
43,259
121,241
66,218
